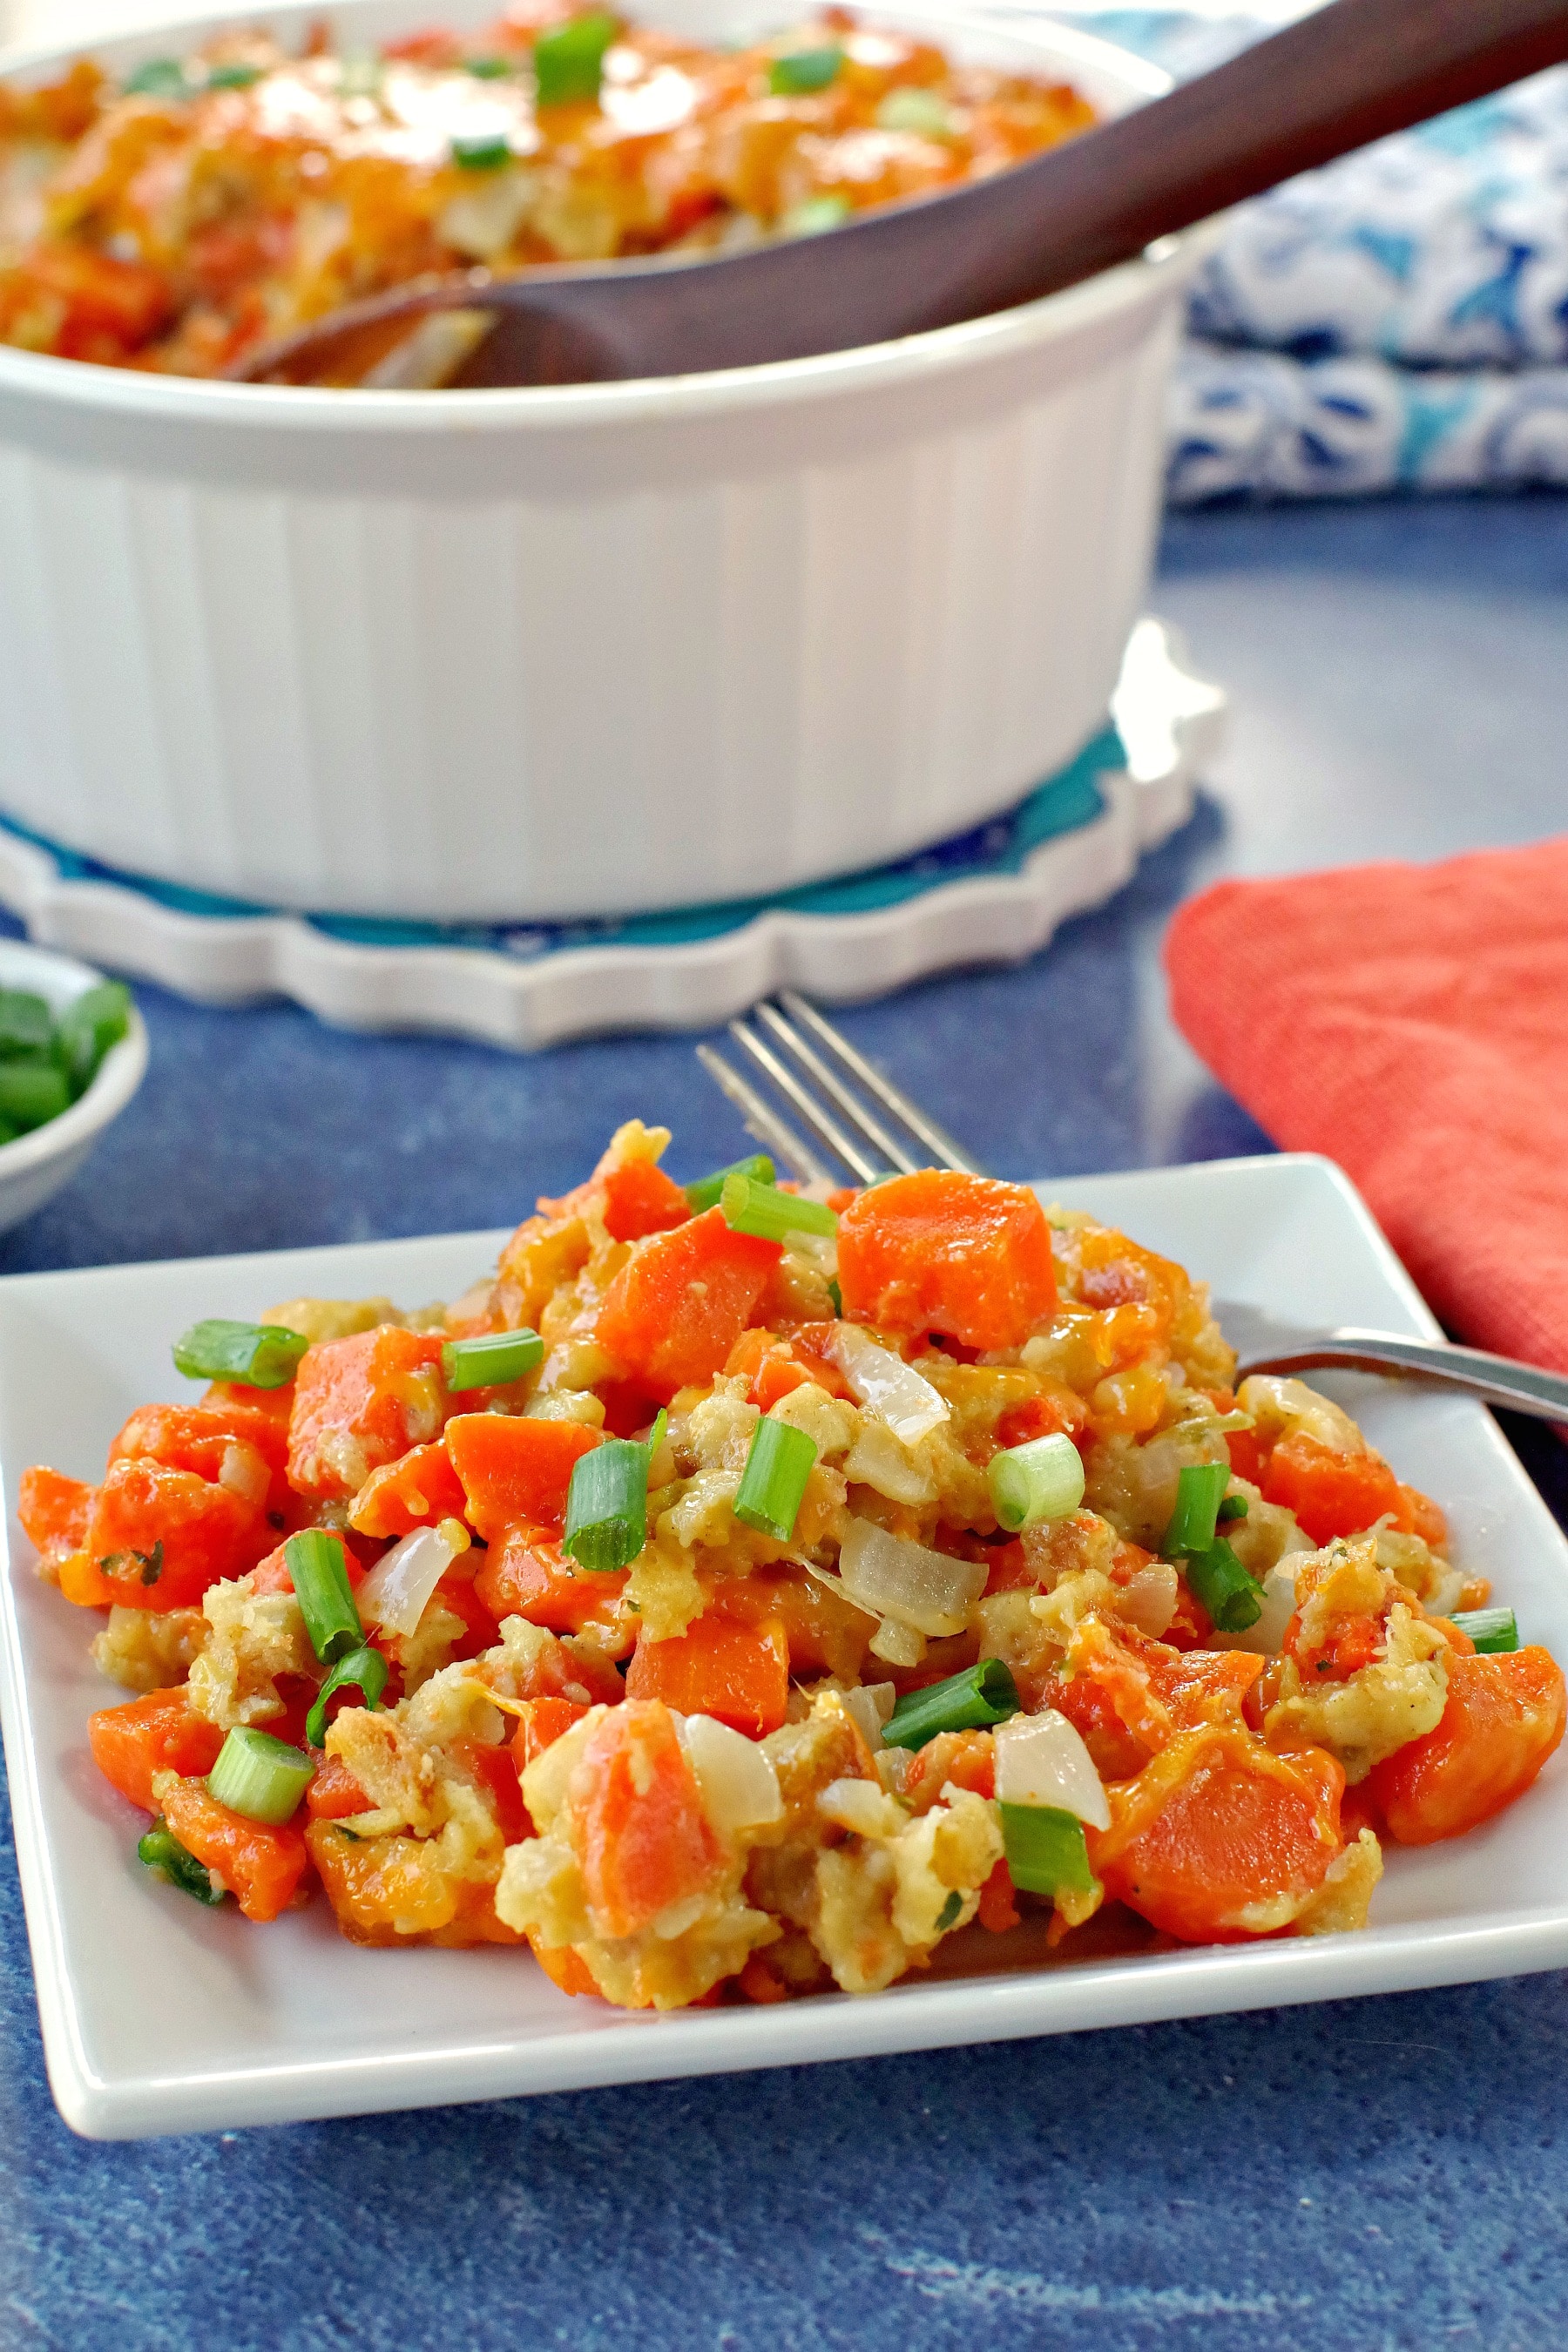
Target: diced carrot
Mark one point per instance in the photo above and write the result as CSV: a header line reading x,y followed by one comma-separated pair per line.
x,y
199,1438
456,1592
640,1199
998,1910
826,1634
160,1733
1503,1717
83,1582
1046,1416
273,1574
527,1575
334,1794
681,1302
111,307
761,1983
642,1839
55,1511
1217,1838
567,1971
160,1537
1248,1459
774,1365
413,1491
1332,1493
542,1723
963,1255
262,1866
1420,1515
515,1471
363,1401
967,1759
1010,1569
434,46
738,1674
496,1771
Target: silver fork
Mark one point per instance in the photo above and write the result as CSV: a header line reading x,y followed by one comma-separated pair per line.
x,y
868,1128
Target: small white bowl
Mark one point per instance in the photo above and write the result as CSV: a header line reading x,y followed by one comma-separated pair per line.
x,y
34,1168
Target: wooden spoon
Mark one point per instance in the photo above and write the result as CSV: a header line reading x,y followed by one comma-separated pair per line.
x,y
1348,73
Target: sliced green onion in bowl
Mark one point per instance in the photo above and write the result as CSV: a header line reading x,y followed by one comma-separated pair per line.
x,y
748,1207
1036,1481
607,1504
812,216
1200,1490
568,60
31,1094
27,1024
1232,1507
260,1777
489,68
484,151
1045,1850
704,1193
491,1360
161,1851
1494,1631
235,77
254,1355
918,111
363,1670
801,73
158,78
90,1024
774,1483
318,1564
1233,1599
972,1701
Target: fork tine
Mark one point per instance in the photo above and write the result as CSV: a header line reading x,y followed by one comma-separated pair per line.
x,y
762,1121
947,1153
833,1087
819,1122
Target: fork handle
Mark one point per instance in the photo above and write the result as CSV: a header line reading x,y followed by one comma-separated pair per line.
x,y
1496,1379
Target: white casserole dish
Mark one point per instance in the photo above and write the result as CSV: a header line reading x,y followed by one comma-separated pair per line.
x,y
511,655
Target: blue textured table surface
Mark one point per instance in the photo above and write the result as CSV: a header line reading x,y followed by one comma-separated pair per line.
x,y
1384,2173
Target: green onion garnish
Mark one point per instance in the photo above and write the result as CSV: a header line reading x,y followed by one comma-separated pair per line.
x,y
704,1193
491,1360
317,1563
1493,1631
255,1355
260,1777
920,112
1200,1488
606,1502
1234,1600
487,68
836,1297
89,1026
363,1670
802,72
979,1697
1033,1483
481,152
569,60
948,1915
31,1094
161,1850
1232,1507
26,1024
777,1468
810,219
762,1209
159,78
235,77
1045,1848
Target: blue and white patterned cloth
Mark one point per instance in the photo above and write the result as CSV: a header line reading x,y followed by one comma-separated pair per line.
x,y
1396,321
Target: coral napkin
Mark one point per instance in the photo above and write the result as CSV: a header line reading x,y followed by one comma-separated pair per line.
x,y
1411,1022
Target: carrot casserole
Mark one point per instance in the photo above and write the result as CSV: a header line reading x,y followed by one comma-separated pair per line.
x,y
741,1593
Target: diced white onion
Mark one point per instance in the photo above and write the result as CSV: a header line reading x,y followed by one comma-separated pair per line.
x,y
862,1807
896,1644
394,1594
1149,1599
1266,1636
891,1577
244,1472
740,1786
886,1385
1041,1761
870,1708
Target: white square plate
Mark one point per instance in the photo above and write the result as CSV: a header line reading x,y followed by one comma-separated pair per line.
x,y
161,2017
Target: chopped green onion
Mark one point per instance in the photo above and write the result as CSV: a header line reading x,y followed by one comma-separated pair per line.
x,y
260,1777
948,1915
979,1697
704,1193
235,77
361,1670
491,1360
1200,1489
96,1020
920,112
749,1207
26,1024
8,1133
1045,1850
161,1851
316,1562
811,218
487,68
159,78
1232,1507
836,1295
482,151
777,1468
800,72
255,1355
1233,1599
1033,1483
31,1094
568,60
606,1502
1493,1631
